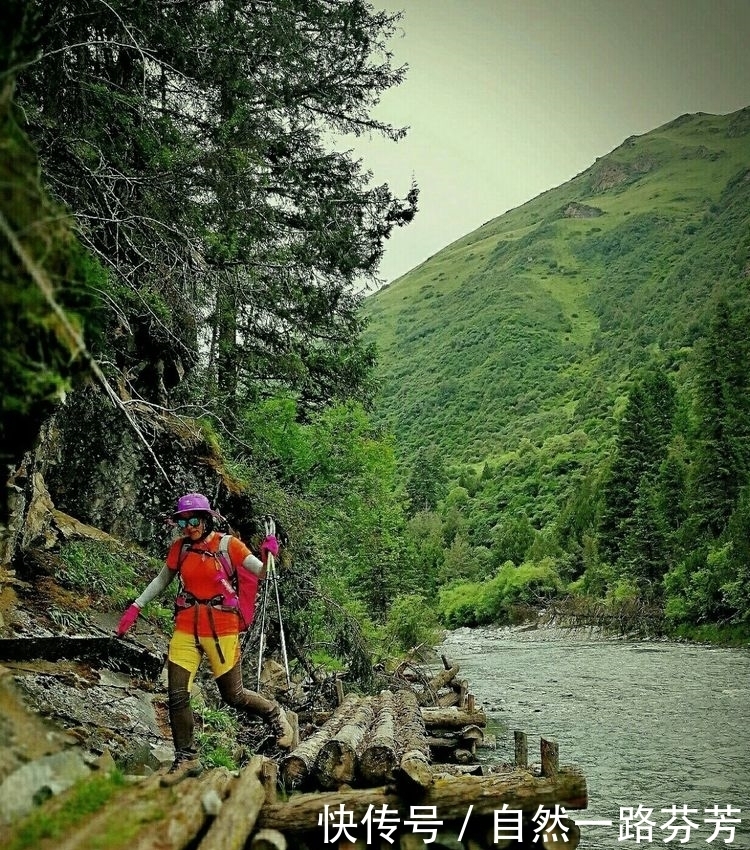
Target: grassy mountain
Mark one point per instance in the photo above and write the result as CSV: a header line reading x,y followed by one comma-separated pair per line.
x,y
522,337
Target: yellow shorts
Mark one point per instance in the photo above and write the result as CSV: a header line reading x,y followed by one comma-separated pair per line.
x,y
184,652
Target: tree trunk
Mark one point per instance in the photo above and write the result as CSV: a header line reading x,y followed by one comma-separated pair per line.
x,y
336,763
452,718
377,760
452,796
236,819
297,767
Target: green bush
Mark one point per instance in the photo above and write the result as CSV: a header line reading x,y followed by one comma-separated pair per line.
x,y
411,622
493,601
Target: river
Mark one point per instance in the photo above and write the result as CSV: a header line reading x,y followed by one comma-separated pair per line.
x,y
651,724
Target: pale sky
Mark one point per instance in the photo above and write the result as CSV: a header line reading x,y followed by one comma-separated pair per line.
x,y
508,98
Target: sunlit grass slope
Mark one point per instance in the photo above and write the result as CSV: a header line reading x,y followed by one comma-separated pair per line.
x,y
531,326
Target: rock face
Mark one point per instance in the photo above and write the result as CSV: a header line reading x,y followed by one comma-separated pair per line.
x,y
90,463
608,174
576,210
30,784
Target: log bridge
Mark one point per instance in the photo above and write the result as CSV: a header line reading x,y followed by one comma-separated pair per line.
x,y
412,747
384,754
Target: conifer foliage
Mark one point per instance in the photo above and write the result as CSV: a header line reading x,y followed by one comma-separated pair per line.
x,y
192,141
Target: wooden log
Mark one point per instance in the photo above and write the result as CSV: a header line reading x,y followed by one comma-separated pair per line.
x,y
167,818
336,763
462,689
414,763
268,839
550,757
377,760
414,770
293,721
472,732
184,819
236,820
519,790
452,718
443,678
521,749
470,703
339,691
269,776
463,756
442,742
297,767
120,653
448,699
450,769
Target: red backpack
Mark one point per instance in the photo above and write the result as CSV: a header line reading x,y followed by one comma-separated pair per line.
x,y
240,586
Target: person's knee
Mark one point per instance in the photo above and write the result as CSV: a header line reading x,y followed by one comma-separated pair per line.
x,y
178,688
179,698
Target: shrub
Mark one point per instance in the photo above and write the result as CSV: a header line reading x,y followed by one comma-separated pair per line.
x,y
494,601
411,622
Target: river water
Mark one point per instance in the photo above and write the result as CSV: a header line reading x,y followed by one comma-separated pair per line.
x,y
651,724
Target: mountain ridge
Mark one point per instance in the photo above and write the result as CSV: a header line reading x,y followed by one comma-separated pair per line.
x,y
531,325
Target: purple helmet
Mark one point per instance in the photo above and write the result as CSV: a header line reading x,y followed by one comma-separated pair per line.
x,y
195,502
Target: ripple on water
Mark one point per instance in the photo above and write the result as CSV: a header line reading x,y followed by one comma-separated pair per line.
x,y
653,723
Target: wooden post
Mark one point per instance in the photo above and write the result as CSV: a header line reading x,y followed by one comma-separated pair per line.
x,y
339,691
470,703
550,757
522,749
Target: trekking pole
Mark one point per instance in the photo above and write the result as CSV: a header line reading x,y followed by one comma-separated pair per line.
x,y
271,529
262,641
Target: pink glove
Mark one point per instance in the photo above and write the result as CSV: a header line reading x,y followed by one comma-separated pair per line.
x,y
127,619
269,546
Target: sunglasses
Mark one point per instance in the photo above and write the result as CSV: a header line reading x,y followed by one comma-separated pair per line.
x,y
193,522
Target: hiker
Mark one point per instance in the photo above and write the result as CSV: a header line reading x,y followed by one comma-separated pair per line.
x,y
206,623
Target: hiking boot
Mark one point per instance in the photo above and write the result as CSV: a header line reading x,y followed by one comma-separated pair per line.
x,y
186,763
282,729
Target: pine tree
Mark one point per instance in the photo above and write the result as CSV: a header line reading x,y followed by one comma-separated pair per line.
x,y
723,413
192,142
641,445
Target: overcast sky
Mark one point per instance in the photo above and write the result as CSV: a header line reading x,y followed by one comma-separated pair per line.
x,y
508,98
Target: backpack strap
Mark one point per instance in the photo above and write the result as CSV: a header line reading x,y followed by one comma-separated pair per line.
x,y
224,555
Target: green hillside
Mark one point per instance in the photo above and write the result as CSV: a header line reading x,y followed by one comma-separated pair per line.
x,y
530,327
